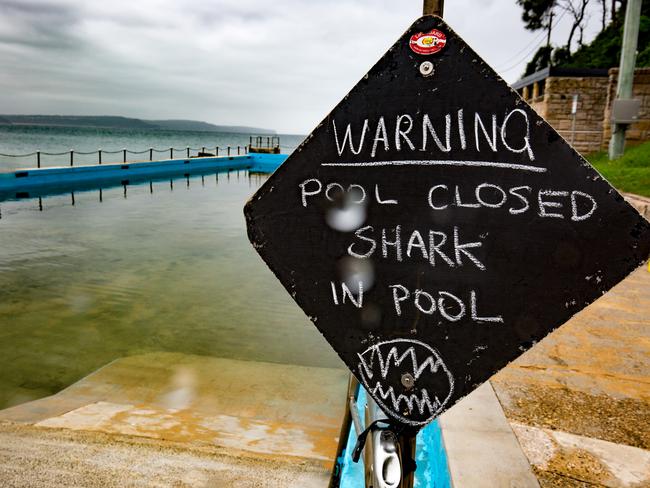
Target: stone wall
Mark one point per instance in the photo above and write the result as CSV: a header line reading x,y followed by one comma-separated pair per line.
x,y
552,98
555,106
640,131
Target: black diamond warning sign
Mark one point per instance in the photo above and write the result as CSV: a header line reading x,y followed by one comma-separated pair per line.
x,y
434,227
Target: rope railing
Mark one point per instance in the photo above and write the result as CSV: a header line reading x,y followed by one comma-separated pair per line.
x,y
186,152
19,155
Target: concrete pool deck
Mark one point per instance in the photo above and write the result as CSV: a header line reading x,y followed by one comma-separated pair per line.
x,y
572,412
579,402
244,419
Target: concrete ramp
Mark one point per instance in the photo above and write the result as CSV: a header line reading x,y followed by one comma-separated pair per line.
x,y
250,410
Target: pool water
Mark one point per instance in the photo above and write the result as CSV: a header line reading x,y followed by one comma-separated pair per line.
x,y
162,268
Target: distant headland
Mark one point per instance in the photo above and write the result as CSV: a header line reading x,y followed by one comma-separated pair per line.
x,y
116,122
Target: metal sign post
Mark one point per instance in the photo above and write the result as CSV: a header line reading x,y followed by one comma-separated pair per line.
x,y
433,7
574,112
433,227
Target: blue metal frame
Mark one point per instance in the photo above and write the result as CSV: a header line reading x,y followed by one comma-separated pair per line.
x,y
431,458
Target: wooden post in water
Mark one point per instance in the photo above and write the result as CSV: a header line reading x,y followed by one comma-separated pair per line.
x,y
38,159
124,155
71,157
151,154
99,156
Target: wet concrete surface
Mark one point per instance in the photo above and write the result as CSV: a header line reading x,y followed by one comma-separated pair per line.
x,y
51,458
589,379
262,421
556,455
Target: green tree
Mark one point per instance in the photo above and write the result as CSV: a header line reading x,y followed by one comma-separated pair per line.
x,y
541,60
605,50
535,13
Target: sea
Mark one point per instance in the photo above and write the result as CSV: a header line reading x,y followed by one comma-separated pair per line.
x,y
96,275
18,143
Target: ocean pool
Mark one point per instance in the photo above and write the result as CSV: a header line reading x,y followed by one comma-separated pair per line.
x,y
87,278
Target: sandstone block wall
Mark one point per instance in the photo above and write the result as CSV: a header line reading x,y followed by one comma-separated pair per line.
x,y
556,99
552,99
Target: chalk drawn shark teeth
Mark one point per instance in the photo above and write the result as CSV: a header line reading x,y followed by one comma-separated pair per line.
x,y
415,406
422,403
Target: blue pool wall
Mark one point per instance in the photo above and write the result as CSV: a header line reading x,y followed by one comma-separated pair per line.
x,y
268,163
432,468
30,179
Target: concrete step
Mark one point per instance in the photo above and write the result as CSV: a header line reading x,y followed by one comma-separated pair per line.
x,y
271,412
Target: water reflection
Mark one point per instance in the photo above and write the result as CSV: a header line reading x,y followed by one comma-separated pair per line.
x,y
162,270
254,178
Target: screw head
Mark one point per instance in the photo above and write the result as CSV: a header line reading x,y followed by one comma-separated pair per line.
x,y
426,68
408,381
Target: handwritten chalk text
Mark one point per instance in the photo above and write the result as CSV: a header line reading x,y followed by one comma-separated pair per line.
x,y
482,133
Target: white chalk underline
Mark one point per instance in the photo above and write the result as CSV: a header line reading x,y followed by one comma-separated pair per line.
x,y
434,162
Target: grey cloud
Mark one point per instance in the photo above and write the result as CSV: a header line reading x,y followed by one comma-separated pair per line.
x,y
44,25
280,64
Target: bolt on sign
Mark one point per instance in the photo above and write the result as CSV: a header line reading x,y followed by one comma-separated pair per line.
x,y
434,227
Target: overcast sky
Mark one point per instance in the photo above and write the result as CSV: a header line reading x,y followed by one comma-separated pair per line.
x,y
279,64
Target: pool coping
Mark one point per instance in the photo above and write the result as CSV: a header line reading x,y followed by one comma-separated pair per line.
x,y
482,449
22,181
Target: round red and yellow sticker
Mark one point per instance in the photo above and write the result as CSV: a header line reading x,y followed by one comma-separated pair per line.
x,y
428,43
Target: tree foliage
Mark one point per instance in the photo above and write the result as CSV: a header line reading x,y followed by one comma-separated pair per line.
x,y
605,50
541,60
534,13
577,9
